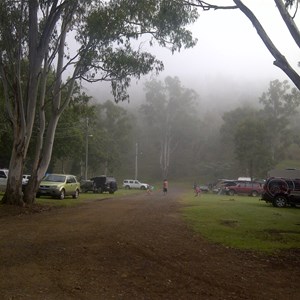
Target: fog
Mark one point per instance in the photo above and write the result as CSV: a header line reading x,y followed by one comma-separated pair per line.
x,y
229,65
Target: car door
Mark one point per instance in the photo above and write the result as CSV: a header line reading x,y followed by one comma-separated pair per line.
x,y
70,185
248,188
295,193
135,184
240,188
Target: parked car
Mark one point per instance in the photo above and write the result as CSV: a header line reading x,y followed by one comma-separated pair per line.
x,y
204,188
86,186
282,191
3,179
103,184
250,188
219,187
59,186
134,184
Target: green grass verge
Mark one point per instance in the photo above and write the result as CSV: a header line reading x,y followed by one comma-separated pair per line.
x,y
243,222
83,198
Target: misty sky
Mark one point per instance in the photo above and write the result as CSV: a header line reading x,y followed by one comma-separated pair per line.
x,y
229,60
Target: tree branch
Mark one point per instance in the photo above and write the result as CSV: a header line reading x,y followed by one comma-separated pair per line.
x,y
288,21
207,6
280,61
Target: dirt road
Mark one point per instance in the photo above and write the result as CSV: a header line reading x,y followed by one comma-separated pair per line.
x,y
131,248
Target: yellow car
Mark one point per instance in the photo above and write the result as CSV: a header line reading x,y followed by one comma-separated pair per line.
x,y
59,186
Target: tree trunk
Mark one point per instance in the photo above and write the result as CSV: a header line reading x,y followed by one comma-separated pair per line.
x,y
44,160
45,147
165,155
13,193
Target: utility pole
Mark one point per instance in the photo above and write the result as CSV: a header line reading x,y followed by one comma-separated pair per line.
x,y
136,161
86,148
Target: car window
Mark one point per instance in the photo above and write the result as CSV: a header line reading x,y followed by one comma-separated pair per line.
x,y
297,185
55,178
2,174
71,179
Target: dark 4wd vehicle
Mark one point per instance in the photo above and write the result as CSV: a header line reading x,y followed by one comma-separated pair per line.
x,y
250,188
282,192
100,184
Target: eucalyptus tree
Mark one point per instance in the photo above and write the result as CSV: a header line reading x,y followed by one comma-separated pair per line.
x,y
252,149
110,137
169,113
288,10
280,104
100,35
69,144
232,121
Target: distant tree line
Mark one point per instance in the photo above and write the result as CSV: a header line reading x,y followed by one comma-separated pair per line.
x,y
175,138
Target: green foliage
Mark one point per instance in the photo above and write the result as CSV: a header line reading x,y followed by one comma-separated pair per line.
x,y
261,138
107,39
288,163
232,119
252,148
172,125
111,130
280,104
242,222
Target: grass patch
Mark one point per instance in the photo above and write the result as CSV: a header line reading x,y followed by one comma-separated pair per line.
x,y
243,222
83,198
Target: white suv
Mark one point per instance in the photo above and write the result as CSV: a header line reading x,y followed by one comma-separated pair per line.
x,y
134,184
3,179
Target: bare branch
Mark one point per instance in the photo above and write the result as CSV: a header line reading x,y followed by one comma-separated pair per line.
x,y
207,6
288,21
280,60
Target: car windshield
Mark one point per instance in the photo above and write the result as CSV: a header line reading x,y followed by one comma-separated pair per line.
x,y
55,178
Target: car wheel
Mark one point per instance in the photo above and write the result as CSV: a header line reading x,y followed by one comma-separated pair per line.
x,y
143,188
280,201
231,192
254,193
127,187
62,194
75,196
38,195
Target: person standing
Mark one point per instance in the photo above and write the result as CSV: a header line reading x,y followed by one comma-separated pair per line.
x,y
165,186
197,191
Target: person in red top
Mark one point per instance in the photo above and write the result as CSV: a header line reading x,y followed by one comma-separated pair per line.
x,y
197,191
165,186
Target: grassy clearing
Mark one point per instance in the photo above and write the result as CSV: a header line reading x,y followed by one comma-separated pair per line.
x,y
83,198
243,222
